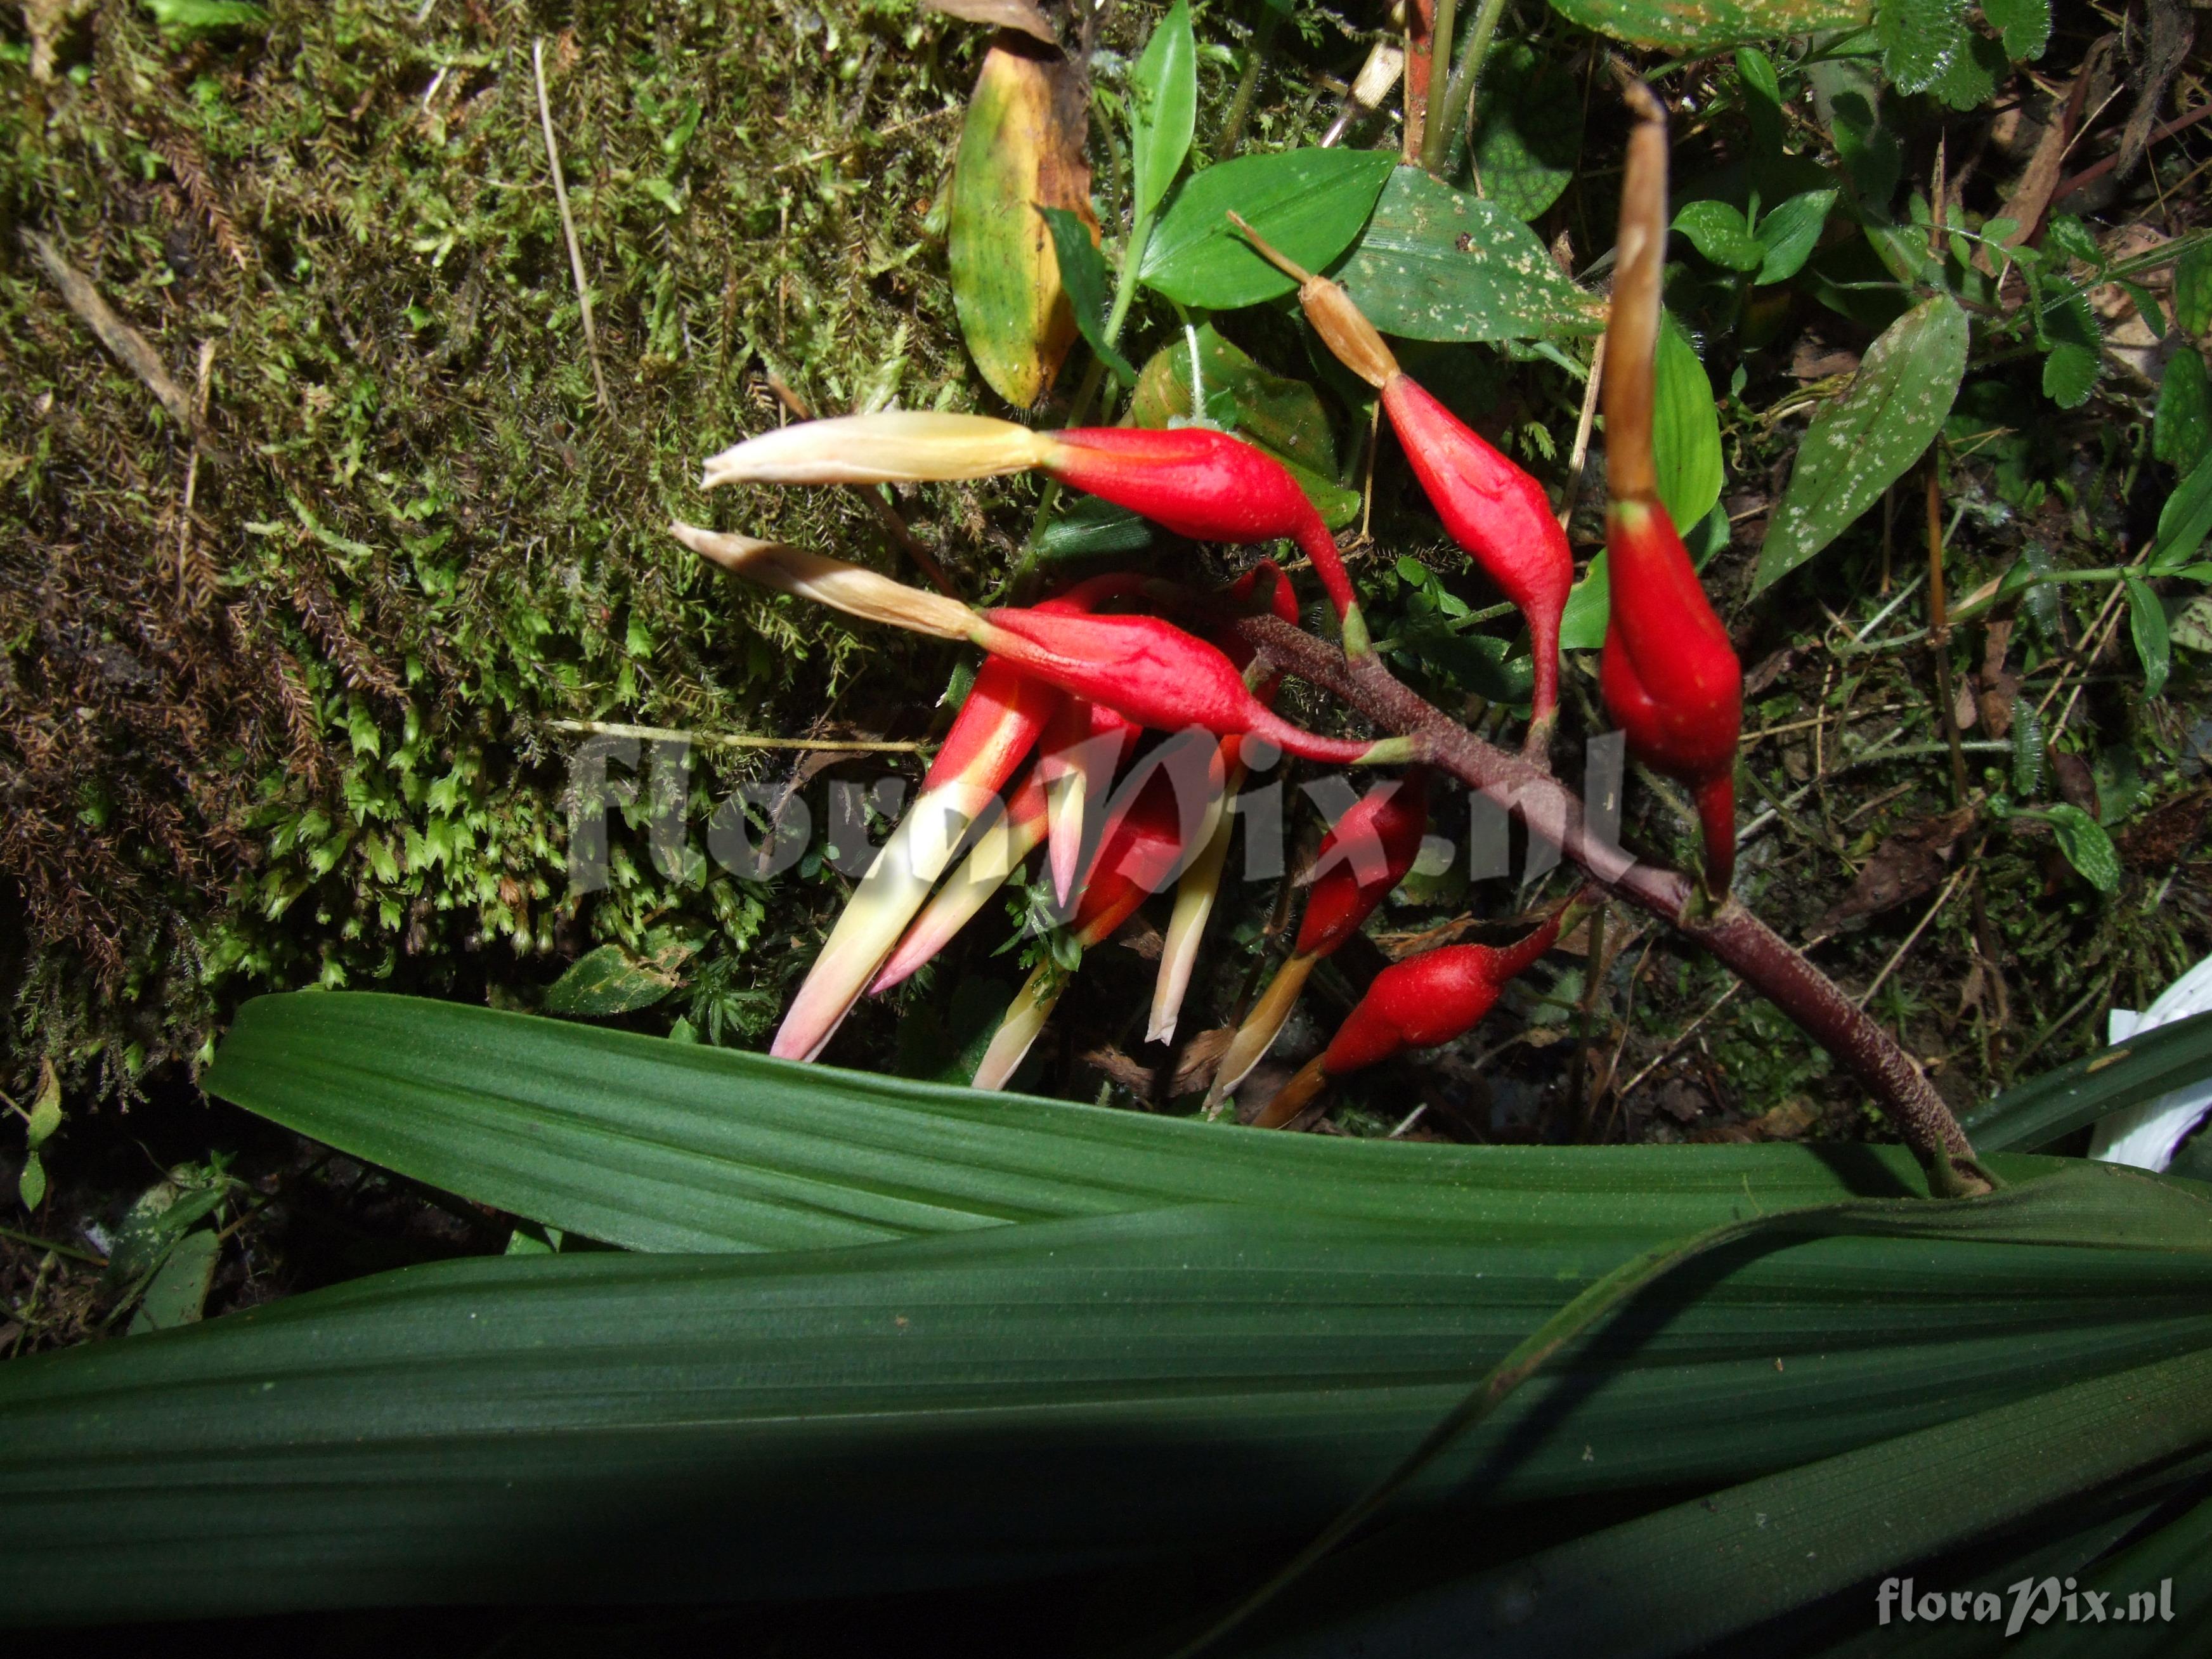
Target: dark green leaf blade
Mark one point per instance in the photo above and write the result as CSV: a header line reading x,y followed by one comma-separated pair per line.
x,y
1528,130
1309,203
2046,1109
1684,1578
673,1146
2087,847
1016,1401
1083,273
2146,626
2181,434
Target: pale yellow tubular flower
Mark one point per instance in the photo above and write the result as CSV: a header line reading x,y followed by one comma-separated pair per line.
x,y
895,446
1260,1027
848,588
895,887
1018,1032
1194,905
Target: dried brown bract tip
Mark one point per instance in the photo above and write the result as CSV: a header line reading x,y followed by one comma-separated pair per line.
x,y
1632,331
1341,323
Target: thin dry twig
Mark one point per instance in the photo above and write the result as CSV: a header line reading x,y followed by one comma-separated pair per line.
x,y
128,346
569,223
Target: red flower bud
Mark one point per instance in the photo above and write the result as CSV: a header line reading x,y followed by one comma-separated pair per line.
x,y
1418,1003
1160,677
1365,856
1208,486
1670,674
1282,601
1499,514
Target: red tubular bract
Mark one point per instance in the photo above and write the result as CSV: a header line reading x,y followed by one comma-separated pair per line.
x,y
1392,829
1140,846
1203,485
1496,512
1152,672
1430,1000
1670,675
1281,600
995,727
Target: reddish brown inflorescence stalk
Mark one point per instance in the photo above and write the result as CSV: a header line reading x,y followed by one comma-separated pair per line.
x,y
1418,1003
1670,675
1494,510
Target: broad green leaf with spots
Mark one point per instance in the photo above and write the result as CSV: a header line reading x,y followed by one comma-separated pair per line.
x,y
1718,231
1860,443
1435,263
1702,25
610,980
1308,204
1788,235
2087,847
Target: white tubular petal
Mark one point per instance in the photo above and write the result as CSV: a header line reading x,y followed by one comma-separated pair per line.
x,y
1194,904
1025,1016
897,447
895,888
848,588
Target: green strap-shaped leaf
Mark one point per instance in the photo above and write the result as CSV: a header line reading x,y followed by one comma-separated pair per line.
x,y
1682,1579
1860,443
2181,435
1308,204
673,1146
1434,264
1703,24
1019,1402
1165,108
2049,1107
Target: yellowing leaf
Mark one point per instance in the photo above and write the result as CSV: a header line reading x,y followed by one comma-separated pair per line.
x,y
1021,149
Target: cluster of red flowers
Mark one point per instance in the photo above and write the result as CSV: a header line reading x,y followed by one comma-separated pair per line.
x,y
1068,686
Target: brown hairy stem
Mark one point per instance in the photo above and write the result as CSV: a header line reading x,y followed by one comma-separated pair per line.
x,y
1752,950
1632,336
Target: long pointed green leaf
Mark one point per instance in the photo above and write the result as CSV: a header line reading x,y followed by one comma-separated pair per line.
x,y
669,1146
1679,1580
2045,1108
1009,1402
